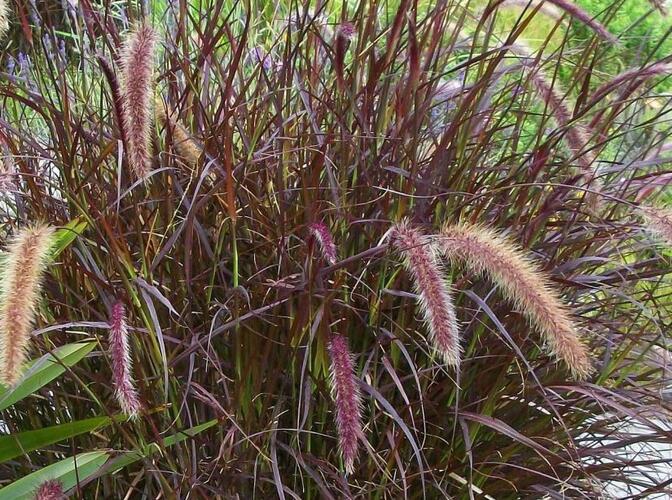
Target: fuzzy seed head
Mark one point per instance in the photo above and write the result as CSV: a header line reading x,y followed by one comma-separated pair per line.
x,y
120,354
321,233
435,300
658,221
4,17
486,252
137,63
19,294
50,490
347,399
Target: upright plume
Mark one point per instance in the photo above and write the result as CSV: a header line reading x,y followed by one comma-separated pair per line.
x,y
347,399
436,303
137,63
486,252
120,354
19,293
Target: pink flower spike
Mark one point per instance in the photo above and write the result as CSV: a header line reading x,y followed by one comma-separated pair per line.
x,y
347,398
51,489
124,388
321,233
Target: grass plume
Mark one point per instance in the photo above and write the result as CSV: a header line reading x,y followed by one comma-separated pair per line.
x,y
658,221
347,400
120,355
51,489
20,291
486,252
137,63
4,17
431,285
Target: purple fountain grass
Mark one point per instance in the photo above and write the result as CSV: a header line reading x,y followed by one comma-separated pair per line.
x,y
486,252
20,291
347,399
636,76
435,300
576,135
581,15
51,489
321,233
658,221
137,63
120,354
117,99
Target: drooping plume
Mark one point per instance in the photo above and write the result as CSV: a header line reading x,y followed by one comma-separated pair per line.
x,y
137,63
321,233
184,143
19,293
431,285
531,5
120,354
521,281
347,399
581,15
51,489
658,221
4,17
634,77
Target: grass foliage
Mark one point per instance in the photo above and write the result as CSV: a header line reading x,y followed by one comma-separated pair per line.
x,y
287,142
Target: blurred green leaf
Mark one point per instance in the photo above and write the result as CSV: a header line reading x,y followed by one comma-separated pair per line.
x,y
68,472
66,235
40,372
15,445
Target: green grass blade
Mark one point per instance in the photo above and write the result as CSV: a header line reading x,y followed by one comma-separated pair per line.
x,y
43,370
14,445
68,471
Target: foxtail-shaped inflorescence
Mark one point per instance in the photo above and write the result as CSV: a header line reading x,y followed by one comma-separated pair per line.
x,y
51,489
321,233
137,63
4,17
184,144
484,251
436,303
584,17
19,294
347,400
658,221
120,354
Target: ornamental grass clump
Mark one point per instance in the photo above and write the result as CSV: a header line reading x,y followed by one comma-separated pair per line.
x,y
19,295
120,358
137,65
435,301
484,251
347,400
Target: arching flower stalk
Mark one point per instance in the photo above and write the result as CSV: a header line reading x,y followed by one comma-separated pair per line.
x,y
484,251
347,399
137,63
120,354
19,294
431,285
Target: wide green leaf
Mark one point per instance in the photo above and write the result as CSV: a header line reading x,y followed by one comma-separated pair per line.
x,y
69,472
14,445
40,372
